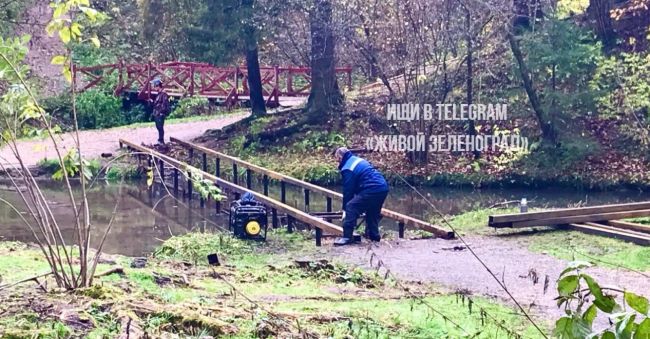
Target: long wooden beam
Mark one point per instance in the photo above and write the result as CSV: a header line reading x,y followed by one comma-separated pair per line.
x,y
629,226
581,218
598,229
407,220
296,213
504,220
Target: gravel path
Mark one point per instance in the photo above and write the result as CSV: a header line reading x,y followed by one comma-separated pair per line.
x,y
96,142
435,260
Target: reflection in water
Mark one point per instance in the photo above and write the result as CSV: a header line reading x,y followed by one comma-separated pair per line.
x,y
138,228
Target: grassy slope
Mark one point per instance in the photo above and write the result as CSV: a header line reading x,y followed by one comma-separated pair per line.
x,y
337,301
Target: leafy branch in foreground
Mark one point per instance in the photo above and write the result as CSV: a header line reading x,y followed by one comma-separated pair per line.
x,y
583,299
19,112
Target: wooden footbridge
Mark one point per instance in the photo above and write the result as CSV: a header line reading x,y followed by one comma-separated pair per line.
x,y
186,79
201,160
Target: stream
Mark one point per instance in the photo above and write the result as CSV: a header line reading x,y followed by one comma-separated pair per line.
x,y
138,228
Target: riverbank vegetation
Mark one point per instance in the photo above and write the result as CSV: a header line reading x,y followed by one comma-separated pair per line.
x,y
178,293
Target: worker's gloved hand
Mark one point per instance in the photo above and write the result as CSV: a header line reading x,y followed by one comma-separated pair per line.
x,y
343,215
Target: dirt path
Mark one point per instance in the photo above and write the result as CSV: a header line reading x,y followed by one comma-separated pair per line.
x,y
94,143
435,260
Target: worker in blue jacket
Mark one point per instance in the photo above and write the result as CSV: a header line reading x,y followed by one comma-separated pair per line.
x,y
364,190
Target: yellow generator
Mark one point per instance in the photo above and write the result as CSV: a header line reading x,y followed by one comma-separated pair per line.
x,y
248,218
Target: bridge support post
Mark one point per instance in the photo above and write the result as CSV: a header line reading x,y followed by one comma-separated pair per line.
x,y
265,181
217,205
249,178
274,217
307,200
319,236
289,224
175,181
400,227
204,162
189,186
161,168
190,156
328,207
283,192
217,171
235,174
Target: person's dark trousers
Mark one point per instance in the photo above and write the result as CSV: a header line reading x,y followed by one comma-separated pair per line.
x,y
160,126
371,204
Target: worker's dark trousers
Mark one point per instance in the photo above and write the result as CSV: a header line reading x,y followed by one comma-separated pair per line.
x,y
370,203
160,126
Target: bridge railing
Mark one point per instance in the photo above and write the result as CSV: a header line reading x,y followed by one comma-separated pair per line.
x,y
182,79
308,188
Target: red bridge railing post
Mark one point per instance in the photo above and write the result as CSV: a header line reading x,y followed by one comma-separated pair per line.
x,y
192,80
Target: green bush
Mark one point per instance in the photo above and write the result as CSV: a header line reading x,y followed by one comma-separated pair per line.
x,y
192,106
625,83
96,109
60,109
137,113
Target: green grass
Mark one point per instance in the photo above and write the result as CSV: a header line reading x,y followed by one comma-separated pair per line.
x,y
601,251
15,267
408,319
264,272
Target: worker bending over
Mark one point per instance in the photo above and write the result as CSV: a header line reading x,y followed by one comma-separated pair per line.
x,y
364,190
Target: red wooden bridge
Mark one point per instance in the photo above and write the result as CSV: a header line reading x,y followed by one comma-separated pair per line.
x,y
182,79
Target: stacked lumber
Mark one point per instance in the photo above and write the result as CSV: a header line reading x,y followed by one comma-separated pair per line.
x,y
600,220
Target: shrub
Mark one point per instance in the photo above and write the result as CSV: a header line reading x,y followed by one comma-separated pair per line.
x,y
96,109
192,106
137,113
60,109
625,84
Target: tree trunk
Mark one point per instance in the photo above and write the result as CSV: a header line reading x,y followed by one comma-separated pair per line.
x,y
471,129
599,12
258,106
548,131
325,95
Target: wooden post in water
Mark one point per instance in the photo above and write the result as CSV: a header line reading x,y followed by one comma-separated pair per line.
x,y
189,186
217,203
175,181
306,200
161,166
265,182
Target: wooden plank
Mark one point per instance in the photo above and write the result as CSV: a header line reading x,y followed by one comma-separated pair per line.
x,y
409,221
637,238
504,220
582,218
629,226
296,213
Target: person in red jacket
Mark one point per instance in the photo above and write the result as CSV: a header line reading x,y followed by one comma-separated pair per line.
x,y
161,109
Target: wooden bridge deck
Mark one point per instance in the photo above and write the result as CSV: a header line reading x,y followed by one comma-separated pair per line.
x,y
280,205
